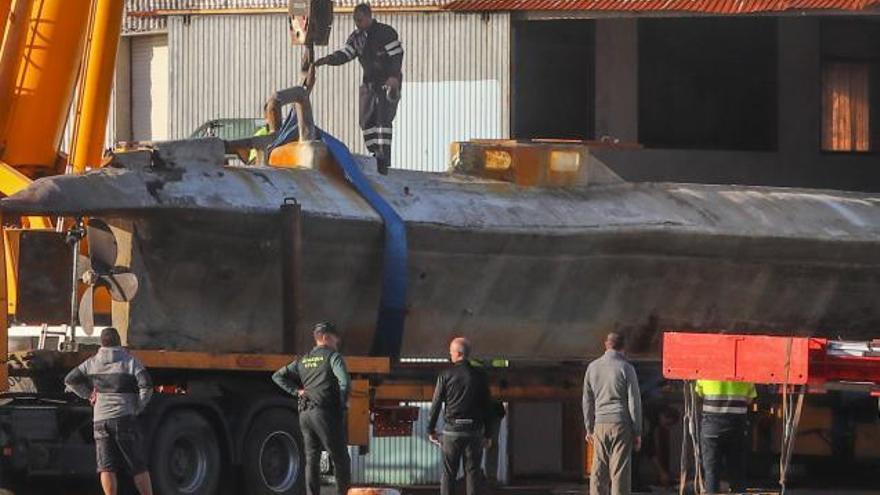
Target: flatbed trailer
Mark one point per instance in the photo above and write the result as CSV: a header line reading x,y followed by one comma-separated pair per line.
x,y
215,420
789,367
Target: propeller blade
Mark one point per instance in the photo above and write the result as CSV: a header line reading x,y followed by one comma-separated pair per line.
x,y
122,286
102,246
86,311
82,266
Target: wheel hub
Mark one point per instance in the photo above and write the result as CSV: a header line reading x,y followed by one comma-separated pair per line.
x,y
279,461
188,464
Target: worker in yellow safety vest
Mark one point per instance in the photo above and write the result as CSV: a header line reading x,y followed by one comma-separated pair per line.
x,y
723,429
252,156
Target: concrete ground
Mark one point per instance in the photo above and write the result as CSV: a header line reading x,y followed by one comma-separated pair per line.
x,y
584,490
56,490
544,489
87,487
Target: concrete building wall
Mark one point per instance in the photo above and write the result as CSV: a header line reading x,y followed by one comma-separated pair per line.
x,y
617,88
799,74
456,78
798,160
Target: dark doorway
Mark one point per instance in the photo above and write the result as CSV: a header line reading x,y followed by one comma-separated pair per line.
x,y
553,79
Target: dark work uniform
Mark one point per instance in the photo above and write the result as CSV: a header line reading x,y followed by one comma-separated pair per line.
x,y
464,390
323,376
380,53
723,430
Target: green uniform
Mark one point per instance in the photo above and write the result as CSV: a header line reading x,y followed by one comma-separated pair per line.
x,y
323,376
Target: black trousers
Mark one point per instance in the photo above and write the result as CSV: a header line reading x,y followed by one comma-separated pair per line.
x,y
376,117
324,429
722,441
455,448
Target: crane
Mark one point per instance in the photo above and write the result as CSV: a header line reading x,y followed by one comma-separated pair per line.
x,y
52,50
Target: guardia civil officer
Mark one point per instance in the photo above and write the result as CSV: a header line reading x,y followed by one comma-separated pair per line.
x,y
321,382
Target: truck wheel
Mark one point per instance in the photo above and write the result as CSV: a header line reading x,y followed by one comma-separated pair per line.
x,y
185,458
274,459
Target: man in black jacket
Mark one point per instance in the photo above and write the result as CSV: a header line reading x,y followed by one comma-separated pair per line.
x,y
464,390
378,49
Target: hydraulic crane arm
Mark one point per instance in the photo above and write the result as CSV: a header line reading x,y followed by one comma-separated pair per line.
x,y
97,84
46,43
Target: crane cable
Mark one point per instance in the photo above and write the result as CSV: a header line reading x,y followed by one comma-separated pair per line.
x,y
80,93
792,407
81,85
690,440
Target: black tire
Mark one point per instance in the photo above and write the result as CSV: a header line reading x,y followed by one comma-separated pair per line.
x,y
185,458
274,459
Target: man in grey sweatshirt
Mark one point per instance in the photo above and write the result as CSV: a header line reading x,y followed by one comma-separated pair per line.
x,y
118,387
612,418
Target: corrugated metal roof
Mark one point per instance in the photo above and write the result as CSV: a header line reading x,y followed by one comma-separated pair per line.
x,y
150,15
144,15
696,6
155,5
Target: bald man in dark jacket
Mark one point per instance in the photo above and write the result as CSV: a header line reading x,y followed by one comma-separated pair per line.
x,y
464,390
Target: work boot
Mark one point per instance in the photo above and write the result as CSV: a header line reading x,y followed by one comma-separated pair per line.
x,y
382,165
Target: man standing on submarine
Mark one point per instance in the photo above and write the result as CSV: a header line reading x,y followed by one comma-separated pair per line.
x,y
378,49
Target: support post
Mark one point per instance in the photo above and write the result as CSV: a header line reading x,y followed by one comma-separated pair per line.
x,y
4,315
291,255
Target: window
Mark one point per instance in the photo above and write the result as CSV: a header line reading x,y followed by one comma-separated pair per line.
x,y
850,85
708,83
846,107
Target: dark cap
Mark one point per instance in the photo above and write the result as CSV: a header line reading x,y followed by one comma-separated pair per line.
x,y
324,327
110,337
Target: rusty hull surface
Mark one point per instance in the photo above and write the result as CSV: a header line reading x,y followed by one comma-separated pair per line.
x,y
525,272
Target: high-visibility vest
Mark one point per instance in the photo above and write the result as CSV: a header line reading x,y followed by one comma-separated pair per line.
x,y
720,397
262,131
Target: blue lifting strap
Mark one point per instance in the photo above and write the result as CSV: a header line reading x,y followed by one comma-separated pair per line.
x,y
388,337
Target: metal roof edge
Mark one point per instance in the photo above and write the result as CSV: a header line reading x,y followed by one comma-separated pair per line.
x,y
276,10
660,7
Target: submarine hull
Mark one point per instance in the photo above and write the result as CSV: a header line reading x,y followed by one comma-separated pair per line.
x,y
526,273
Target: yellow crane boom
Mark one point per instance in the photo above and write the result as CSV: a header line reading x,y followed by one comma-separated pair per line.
x,y
47,46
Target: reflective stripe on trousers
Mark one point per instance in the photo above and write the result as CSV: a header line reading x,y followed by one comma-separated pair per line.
x,y
726,404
